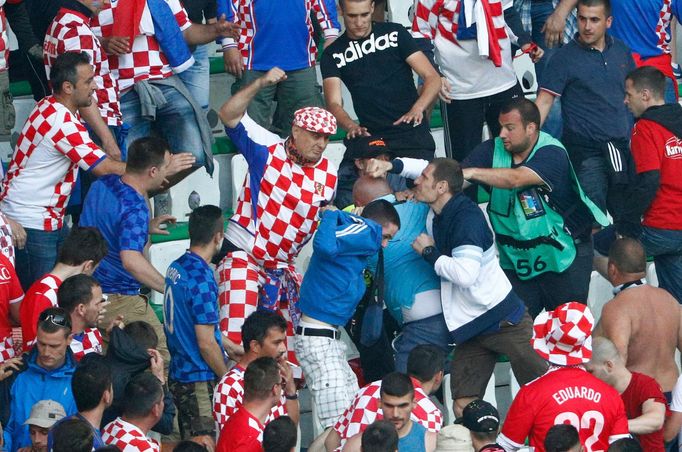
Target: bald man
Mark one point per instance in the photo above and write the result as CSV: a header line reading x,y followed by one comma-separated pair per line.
x,y
413,302
642,321
642,396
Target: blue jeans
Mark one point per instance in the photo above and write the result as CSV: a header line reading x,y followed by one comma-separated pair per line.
x,y
175,122
665,245
197,78
39,255
431,330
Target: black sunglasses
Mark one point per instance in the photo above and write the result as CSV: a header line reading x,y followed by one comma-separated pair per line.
x,y
56,319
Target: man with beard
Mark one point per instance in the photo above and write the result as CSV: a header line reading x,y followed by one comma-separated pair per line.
x,y
541,218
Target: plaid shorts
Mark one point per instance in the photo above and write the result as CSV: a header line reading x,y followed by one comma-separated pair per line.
x,y
331,381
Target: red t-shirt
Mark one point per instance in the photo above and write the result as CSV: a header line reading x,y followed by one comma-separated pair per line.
x,y
10,293
41,295
642,388
242,432
655,148
567,395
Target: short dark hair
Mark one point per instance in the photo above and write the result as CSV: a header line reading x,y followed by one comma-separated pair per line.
x,y
204,223
625,445
75,290
259,378
142,333
396,384
142,392
382,212
529,112
380,436
342,3
65,69
145,153
590,3
81,245
72,435
628,255
648,77
51,320
561,437
425,361
450,171
280,435
258,324
91,379
189,446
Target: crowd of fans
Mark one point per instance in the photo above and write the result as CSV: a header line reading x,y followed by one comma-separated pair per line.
x,y
429,287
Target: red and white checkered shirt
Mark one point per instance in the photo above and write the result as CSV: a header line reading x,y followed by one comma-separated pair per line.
x,y
146,61
229,394
127,437
288,200
52,146
70,32
10,293
6,243
89,341
41,295
365,409
4,39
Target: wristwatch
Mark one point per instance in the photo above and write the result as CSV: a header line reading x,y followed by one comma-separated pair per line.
x,y
428,251
291,397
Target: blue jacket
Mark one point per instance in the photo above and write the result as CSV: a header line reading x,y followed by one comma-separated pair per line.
x,y
31,386
334,283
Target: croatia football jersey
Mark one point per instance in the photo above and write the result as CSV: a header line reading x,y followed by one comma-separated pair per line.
x,y
52,146
88,341
127,437
145,61
568,395
365,410
228,397
10,293
242,433
41,295
191,298
122,216
70,32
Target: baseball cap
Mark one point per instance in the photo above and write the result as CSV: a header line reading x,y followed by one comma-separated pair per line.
x,y
315,119
454,438
564,336
45,413
480,416
365,148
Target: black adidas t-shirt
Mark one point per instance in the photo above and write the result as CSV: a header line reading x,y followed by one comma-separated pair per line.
x,y
380,82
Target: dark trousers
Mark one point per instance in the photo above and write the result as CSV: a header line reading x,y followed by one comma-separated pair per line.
x,y
550,290
463,120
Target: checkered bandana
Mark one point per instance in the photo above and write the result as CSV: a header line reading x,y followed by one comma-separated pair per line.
x,y
315,119
564,336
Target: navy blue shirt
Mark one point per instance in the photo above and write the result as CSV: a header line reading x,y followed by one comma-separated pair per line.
x,y
591,84
551,163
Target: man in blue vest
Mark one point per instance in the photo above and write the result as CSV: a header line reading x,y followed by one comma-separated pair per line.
x,y
541,217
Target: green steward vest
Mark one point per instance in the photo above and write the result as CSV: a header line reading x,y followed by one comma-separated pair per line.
x,y
530,234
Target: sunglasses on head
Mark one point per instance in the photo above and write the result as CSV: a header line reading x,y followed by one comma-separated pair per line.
x,y
56,319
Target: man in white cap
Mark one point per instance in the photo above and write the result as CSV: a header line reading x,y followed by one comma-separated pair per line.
x,y
567,393
277,211
44,415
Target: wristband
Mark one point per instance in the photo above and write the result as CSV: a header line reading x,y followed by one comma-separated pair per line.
x,y
291,397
